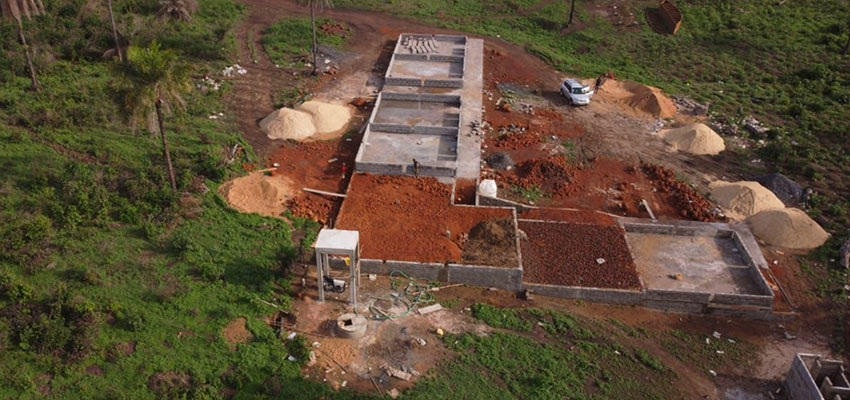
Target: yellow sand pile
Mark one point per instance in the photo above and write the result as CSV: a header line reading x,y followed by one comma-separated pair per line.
x,y
788,227
740,200
310,119
258,193
695,139
639,98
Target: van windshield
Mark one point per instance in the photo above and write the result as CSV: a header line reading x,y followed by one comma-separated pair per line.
x,y
581,90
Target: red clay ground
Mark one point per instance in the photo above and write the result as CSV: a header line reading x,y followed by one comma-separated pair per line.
x,y
408,219
566,254
574,216
306,164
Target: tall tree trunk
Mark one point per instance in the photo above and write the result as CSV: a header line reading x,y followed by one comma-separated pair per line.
x,y
33,77
165,151
315,38
114,32
572,11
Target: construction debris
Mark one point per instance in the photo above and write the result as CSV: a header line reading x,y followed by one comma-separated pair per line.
x,y
430,309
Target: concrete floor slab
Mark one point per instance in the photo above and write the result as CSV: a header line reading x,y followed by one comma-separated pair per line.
x,y
429,69
412,113
401,149
711,264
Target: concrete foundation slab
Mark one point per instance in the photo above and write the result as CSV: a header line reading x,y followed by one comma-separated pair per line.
x,y
711,264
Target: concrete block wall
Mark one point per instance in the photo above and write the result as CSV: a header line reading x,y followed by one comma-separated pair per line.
x,y
677,296
391,128
504,278
596,295
378,168
799,381
449,58
393,81
408,56
443,83
742,299
435,130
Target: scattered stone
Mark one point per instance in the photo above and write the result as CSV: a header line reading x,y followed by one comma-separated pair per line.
x,y
783,187
500,160
845,254
372,277
789,336
753,126
600,261
711,371
716,335
394,393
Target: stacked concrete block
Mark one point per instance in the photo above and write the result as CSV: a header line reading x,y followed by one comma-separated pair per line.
x,y
812,377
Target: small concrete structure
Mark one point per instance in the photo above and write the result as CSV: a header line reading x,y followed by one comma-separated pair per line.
x,y
813,377
340,243
351,325
431,95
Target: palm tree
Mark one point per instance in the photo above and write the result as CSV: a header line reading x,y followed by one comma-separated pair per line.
x,y
153,80
114,31
27,8
180,10
313,4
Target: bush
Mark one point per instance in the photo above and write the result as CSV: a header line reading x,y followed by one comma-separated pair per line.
x,y
297,348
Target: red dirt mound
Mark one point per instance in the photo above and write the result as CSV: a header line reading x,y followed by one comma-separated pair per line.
x,y
690,203
551,174
573,216
409,219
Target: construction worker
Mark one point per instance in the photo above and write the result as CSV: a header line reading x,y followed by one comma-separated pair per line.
x,y
343,168
415,168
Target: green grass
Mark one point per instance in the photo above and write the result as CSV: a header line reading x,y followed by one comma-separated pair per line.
x,y
531,194
95,250
289,42
513,364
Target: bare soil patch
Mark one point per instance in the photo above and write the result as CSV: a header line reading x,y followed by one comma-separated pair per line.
x,y
577,255
491,243
235,332
410,219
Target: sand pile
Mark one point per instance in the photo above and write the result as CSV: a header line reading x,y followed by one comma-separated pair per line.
x,y
788,227
258,193
308,120
695,139
740,200
640,98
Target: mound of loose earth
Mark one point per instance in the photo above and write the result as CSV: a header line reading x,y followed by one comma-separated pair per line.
x,y
788,227
743,199
639,98
258,193
695,139
491,243
310,120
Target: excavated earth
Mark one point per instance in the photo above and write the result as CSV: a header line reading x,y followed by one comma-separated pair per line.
x,y
572,254
409,219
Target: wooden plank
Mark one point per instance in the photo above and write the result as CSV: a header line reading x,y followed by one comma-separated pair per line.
x,y
315,191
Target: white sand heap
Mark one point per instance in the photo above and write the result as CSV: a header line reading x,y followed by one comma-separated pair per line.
x,y
788,227
258,193
740,200
309,119
695,139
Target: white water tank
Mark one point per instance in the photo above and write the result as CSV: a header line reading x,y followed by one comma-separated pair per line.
x,y
487,188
